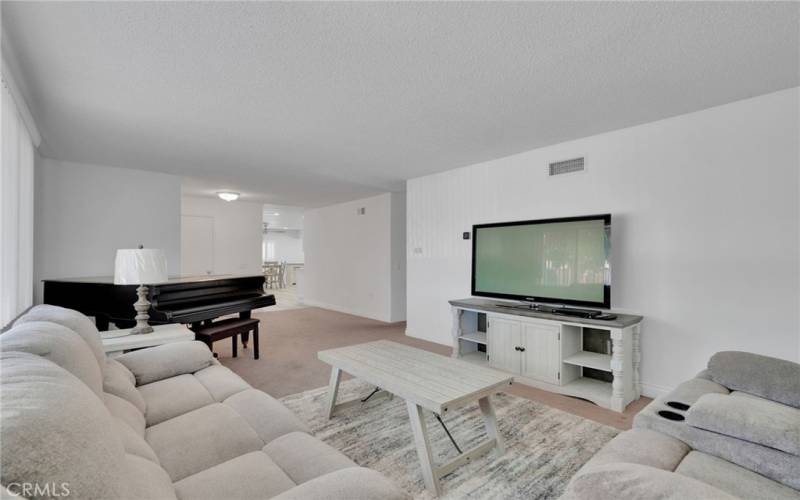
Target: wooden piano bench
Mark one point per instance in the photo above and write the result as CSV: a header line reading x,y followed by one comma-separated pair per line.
x,y
219,330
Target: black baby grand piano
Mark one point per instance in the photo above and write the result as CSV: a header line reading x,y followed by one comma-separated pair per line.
x,y
178,300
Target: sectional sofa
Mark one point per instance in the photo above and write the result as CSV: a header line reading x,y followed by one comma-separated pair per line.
x,y
731,432
167,422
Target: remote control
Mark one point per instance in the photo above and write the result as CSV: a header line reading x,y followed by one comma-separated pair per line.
x,y
606,317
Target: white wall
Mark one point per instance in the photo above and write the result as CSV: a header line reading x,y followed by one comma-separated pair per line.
x,y
237,232
84,213
398,256
705,229
349,258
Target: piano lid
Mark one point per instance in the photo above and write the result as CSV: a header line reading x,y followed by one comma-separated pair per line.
x,y
109,280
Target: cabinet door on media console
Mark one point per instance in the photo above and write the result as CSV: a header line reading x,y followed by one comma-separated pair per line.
x,y
541,358
503,337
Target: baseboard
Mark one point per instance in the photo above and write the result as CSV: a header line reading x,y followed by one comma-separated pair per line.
x,y
345,310
654,391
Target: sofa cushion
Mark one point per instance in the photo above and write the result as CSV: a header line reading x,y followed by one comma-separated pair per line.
x,y
119,368
221,382
60,345
166,361
144,479
126,412
733,479
200,439
638,482
303,457
54,429
751,419
133,442
246,477
771,378
73,320
172,397
117,381
355,483
265,414
643,447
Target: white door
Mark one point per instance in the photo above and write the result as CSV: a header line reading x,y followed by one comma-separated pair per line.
x,y
197,245
503,343
541,358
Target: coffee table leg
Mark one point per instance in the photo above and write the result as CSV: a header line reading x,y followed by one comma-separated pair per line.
x,y
490,420
333,388
423,447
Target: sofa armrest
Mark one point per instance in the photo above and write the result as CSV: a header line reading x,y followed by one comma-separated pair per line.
x,y
638,482
748,418
353,483
166,361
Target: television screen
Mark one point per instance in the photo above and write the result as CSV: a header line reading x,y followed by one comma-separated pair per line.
x,y
555,260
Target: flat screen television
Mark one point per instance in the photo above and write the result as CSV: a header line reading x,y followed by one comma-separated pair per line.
x,y
563,261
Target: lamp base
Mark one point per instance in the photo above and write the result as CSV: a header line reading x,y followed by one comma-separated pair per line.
x,y
142,306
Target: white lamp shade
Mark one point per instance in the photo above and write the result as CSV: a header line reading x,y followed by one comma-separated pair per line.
x,y
140,266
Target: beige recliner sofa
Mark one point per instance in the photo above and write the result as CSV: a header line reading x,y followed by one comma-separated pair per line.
x,y
732,432
161,423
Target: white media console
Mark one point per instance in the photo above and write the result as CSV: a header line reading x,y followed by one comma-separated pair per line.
x,y
551,351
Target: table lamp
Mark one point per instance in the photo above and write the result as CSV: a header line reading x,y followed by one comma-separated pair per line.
x,y
140,266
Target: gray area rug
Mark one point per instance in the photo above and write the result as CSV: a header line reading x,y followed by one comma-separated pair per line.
x,y
544,446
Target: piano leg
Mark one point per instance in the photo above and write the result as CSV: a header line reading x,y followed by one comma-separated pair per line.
x,y
255,342
245,335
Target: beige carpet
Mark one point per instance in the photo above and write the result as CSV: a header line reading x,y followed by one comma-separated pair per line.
x,y
290,340
544,446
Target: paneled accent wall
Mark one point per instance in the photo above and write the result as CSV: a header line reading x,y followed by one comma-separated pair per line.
x,y
706,223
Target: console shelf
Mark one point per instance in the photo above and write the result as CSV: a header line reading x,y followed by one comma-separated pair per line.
x,y
588,388
477,357
588,359
477,337
550,352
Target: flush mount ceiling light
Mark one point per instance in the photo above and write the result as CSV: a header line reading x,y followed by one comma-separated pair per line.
x,y
228,195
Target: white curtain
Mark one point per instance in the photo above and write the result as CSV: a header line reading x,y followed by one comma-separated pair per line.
x,y
16,212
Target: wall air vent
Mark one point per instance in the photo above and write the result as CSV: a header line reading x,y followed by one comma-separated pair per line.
x,y
567,166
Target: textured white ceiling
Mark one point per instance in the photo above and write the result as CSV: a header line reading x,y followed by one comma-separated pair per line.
x,y
313,103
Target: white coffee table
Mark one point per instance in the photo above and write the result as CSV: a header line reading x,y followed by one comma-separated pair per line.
x,y
426,381
114,344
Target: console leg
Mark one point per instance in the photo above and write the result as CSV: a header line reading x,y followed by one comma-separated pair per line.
x,y
617,364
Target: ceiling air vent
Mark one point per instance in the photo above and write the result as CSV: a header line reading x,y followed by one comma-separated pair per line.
x,y
567,166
